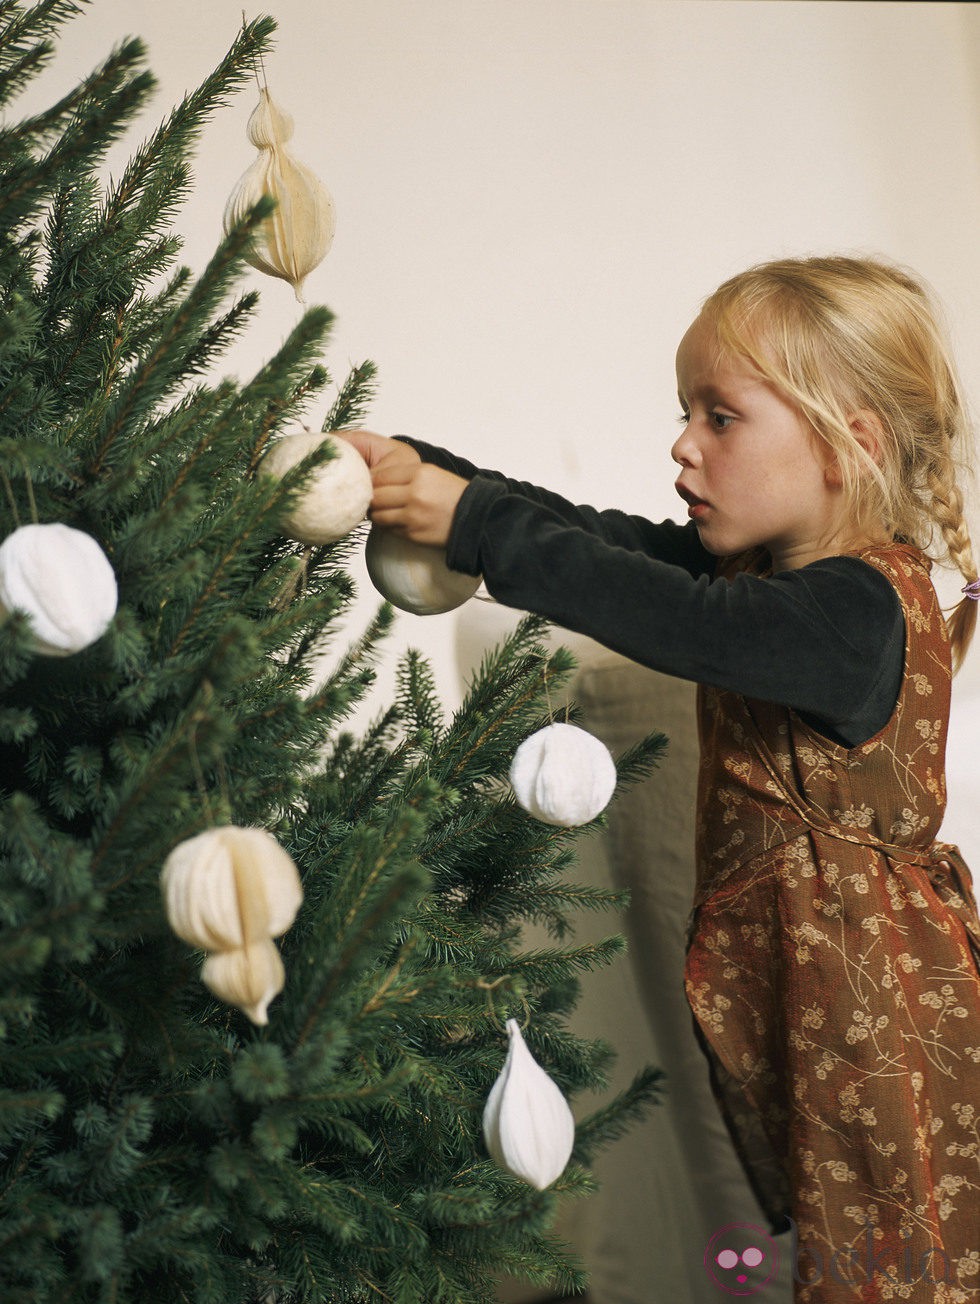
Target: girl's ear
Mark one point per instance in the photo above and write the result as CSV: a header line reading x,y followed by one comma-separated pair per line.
x,y
867,431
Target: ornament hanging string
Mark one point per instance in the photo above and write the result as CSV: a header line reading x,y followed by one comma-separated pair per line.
x,y
263,83
490,988
9,491
547,698
29,485
199,780
294,583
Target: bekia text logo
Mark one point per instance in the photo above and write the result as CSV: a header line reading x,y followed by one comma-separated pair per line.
x,y
741,1258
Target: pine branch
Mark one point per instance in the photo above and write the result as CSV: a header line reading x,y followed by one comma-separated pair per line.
x,y
354,399
218,336
90,118
621,1113
20,60
150,175
159,371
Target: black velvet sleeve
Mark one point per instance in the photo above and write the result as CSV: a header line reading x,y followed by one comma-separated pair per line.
x,y
826,640
676,544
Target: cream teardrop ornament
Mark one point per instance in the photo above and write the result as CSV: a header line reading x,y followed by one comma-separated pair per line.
x,y
248,977
563,775
296,237
334,499
413,576
63,581
528,1127
229,887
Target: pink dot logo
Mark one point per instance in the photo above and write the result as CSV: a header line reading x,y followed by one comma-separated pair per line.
x,y
741,1259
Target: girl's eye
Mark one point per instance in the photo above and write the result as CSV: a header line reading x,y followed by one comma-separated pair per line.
x,y
684,418
721,420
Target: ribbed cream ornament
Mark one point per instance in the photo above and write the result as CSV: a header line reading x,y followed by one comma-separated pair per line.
x,y
63,581
229,886
296,237
528,1127
229,891
334,499
248,977
563,775
414,576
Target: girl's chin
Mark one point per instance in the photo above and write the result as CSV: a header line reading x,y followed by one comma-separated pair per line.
x,y
717,543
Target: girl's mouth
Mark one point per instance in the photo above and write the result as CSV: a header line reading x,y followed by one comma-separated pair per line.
x,y
695,506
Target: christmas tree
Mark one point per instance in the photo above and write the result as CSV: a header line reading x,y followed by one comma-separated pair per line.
x,y
155,1143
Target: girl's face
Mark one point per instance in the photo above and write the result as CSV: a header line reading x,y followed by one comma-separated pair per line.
x,y
753,471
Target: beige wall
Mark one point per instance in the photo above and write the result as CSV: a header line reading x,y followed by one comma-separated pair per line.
x,y
533,196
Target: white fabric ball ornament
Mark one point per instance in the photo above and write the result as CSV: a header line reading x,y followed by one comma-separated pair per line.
x,y
528,1127
334,499
63,581
414,576
563,775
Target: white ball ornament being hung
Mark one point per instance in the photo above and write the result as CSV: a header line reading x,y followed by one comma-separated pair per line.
x,y
414,576
528,1126
334,498
229,891
563,775
296,237
63,581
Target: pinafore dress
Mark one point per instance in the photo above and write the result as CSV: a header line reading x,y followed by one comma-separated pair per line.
x,y
833,975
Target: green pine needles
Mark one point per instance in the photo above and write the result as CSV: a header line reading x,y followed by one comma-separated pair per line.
x,y
154,1145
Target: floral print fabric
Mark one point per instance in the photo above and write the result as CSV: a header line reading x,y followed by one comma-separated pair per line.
x,y
833,974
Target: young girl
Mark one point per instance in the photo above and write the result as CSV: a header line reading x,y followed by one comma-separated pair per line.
x,y
834,950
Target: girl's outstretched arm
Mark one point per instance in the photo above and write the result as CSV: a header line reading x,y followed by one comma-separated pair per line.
x,y
678,545
827,640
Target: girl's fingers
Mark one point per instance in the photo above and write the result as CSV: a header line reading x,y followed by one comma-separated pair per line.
x,y
390,495
391,520
416,501
393,471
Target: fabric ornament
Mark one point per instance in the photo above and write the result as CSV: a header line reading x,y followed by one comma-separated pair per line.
x,y
229,891
414,576
295,238
563,775
63,581
248,977
335,496
528,1126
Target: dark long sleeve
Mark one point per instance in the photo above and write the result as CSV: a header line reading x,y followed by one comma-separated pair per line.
x,y
826,640
679,545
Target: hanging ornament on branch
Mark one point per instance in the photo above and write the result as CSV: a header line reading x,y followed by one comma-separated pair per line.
x,y
229,891
563,775
528,1127
295,238
414,576
63,581
336,496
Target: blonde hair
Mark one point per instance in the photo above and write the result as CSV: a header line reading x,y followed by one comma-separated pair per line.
x,y
845,337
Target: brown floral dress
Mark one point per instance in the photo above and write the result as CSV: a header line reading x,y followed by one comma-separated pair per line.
x,y
833,974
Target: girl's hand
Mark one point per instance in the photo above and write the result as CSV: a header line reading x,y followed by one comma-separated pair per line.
x,y
376,448
417,501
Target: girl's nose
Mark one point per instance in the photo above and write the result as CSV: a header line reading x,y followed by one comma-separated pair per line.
x,y
685,450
